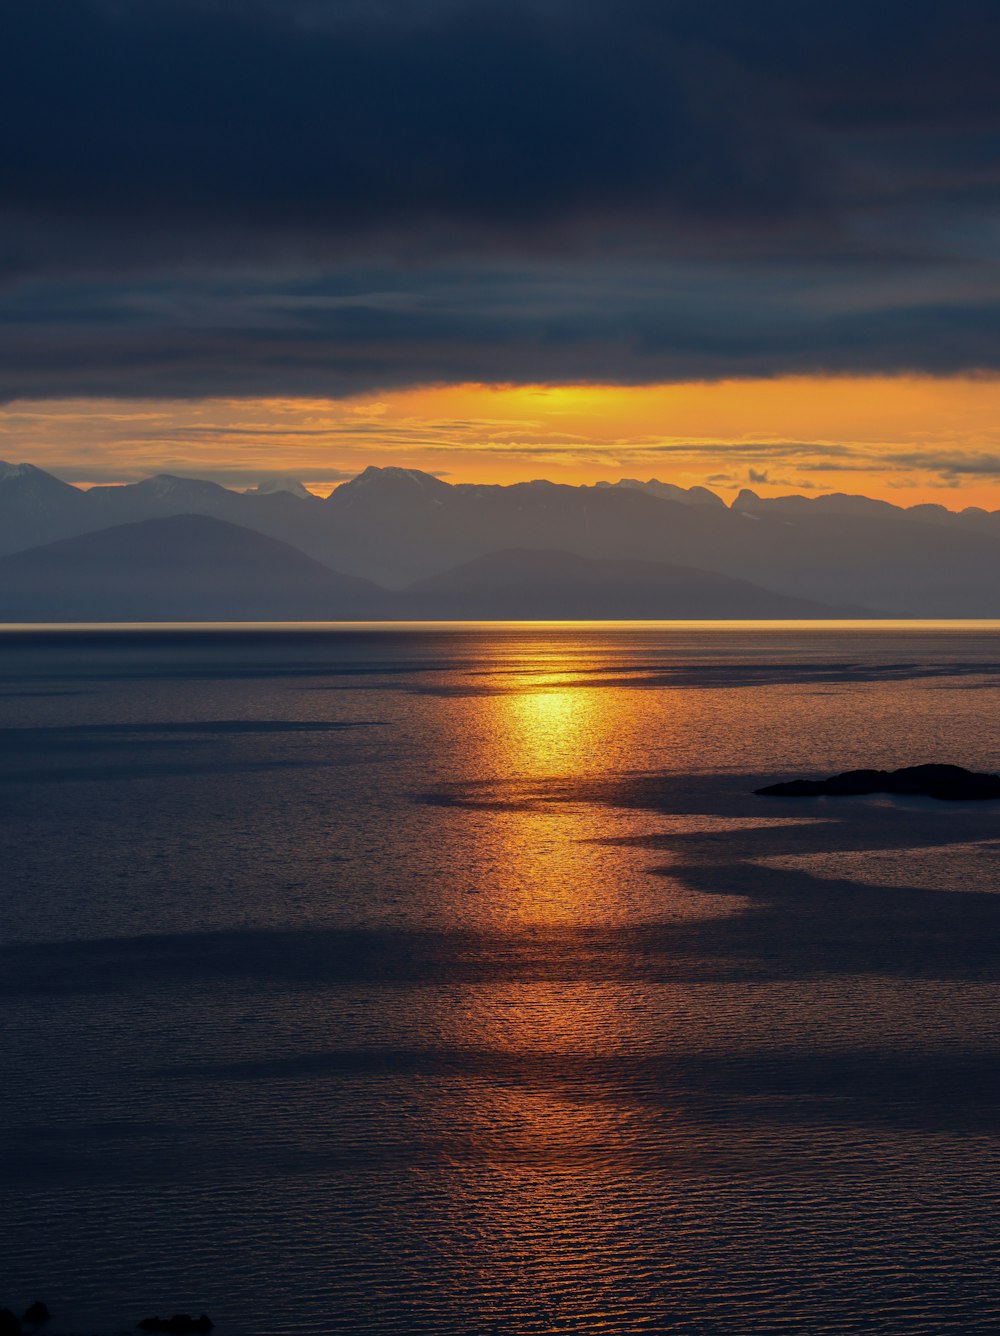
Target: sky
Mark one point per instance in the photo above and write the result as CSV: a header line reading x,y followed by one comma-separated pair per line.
x,y
704,240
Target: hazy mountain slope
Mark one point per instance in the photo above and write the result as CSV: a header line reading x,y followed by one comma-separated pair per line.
x,y
292,517
183,568
36,508
891,560
279,513
397,524
533,584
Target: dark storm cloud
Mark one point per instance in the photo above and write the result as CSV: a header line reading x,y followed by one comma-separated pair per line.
x,y
243,341
495,117
240,196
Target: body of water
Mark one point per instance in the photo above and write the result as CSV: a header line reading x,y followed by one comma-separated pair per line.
x,y
453,980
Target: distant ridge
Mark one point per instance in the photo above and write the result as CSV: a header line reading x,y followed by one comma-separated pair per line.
x,y
393,526
667,491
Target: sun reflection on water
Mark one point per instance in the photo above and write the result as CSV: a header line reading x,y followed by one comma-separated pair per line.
x,y
562,1144
550,731
541,734
545,872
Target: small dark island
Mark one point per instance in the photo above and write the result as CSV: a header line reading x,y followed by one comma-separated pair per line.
x,y
951,783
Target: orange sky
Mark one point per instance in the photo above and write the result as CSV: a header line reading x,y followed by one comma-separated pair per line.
x,y
907,440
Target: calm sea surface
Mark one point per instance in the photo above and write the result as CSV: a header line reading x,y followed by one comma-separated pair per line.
x,y
452,980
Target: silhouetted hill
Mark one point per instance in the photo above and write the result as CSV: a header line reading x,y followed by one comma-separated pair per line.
x,y
184,568
531,584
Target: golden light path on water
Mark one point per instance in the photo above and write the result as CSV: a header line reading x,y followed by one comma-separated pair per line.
x,y
556,1203
543,727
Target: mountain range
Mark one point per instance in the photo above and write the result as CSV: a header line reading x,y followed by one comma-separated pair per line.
x,y
400,542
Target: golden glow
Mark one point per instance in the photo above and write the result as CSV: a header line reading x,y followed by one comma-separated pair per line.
x,y
546,730
906,439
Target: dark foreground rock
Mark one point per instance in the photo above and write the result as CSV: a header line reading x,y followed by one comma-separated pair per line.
x,y
9,1323
951,783
36,1313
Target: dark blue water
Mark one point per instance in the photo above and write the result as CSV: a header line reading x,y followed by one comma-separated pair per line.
x,y
452,980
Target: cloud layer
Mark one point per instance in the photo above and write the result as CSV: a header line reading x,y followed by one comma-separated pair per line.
x,y
322,196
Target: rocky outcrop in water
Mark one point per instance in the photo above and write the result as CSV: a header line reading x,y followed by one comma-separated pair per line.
x,y
951,783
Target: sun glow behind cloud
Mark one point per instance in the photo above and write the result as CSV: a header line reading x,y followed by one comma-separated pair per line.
x,y
905,439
